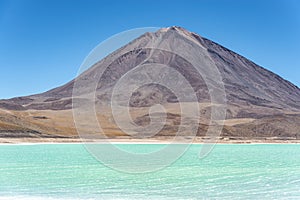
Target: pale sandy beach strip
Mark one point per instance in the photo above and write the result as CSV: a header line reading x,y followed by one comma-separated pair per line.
x,y
34,141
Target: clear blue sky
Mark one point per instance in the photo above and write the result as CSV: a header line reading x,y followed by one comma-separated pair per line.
x,y
43,43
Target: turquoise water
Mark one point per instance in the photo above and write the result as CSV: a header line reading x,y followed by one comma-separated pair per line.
x,y
68,171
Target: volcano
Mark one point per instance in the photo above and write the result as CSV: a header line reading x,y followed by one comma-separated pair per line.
x,y
259,103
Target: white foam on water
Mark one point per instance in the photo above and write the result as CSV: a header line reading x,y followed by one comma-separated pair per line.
x,y
21,197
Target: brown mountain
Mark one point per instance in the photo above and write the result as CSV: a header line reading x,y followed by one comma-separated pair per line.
x,y
260,104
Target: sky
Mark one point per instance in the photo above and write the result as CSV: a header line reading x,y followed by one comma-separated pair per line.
x,y
43,43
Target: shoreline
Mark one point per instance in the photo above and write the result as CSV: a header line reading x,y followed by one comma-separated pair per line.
x,y
164,140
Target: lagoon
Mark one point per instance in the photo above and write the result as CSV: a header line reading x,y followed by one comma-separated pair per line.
x,y
230,171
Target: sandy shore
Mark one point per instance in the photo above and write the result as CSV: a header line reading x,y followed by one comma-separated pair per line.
x,y
163,140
